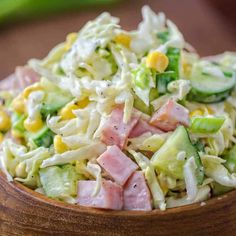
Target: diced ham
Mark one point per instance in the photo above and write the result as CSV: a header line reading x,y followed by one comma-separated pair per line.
x,y
143,127
110,195
169,116
26,76
136,193
117,164
115,131
9,83
23,77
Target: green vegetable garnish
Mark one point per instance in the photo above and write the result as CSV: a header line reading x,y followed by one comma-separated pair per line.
x,y
206,125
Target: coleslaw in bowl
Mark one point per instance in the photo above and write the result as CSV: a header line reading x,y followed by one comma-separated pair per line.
x,y
118,120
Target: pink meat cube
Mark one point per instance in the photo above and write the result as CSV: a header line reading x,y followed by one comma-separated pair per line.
x,y
117,164
143,127
115,131
109,197
23,77
169,116
136,193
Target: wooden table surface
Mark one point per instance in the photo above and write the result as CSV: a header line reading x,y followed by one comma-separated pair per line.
x,y
202,26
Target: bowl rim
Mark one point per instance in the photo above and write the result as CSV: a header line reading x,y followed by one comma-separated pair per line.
x,y
20,188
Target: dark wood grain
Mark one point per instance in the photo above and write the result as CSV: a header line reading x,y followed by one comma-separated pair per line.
x,y
24,212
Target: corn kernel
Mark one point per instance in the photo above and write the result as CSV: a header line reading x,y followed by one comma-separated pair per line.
x,y
83,103
33,125
16,134
70,39
59,146
1,137
209,110
66,112
186,68
5,121
18,104
157,61
31,89
21,170
123,39
197,112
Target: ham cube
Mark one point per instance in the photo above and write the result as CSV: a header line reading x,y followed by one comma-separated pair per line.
x,y
23,77
117,164
143,127
26,76
136,193
110,195
169,116
115,131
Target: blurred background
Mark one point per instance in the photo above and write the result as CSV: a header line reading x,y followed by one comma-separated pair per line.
x,y
30,28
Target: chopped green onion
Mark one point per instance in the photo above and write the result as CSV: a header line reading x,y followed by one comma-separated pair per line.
x,y
163,36
141,77
228,74
206,125
174,59
163,79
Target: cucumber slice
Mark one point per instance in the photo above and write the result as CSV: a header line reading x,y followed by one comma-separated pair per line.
x,y
210,82
18,122
197,96
218,189
163,79
206,125
230,158
53,102
165,159
44,137
199,145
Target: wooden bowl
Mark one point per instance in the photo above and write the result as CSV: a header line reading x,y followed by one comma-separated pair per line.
x,y
25,212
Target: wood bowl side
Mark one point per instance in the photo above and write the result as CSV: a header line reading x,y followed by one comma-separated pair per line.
x,y
25,212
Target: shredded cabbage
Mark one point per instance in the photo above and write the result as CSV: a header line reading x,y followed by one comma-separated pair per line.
x,y
86,152
23,165
202,195
190,178
215,170
95,171
102,67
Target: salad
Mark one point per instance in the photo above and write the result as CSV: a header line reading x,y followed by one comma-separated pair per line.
x,y
122,120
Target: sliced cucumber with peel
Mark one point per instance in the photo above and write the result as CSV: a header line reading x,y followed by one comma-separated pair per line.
x,y
165,159
230,158
54,99
42,138
210,82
